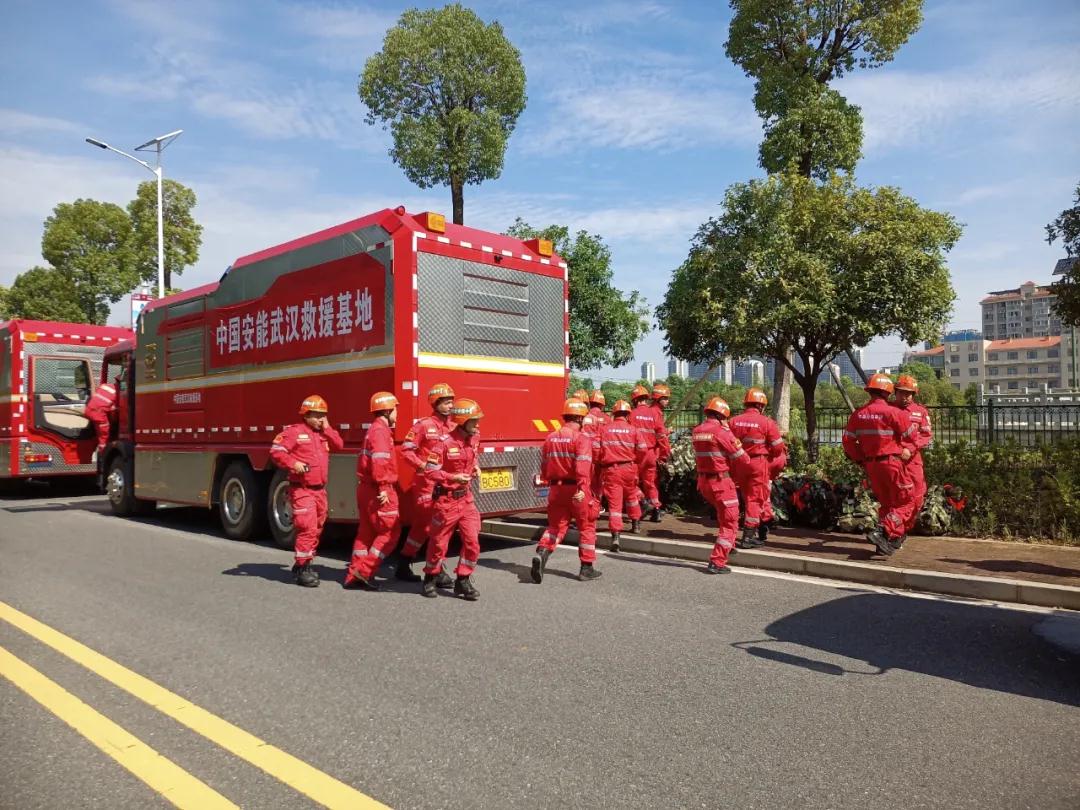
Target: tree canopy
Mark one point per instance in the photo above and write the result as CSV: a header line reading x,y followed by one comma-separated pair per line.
x,y
43,294
450,88
604,323
182,234
818,267
1067,228
89,242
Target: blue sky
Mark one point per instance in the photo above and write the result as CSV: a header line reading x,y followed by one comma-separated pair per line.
x,y
636,123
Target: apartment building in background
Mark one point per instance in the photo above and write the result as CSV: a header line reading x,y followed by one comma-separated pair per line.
x,y
1024,312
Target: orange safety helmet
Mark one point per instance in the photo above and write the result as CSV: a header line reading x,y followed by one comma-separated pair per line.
x,y
660,390
639,392
755,396
465,409
383,401
905,382
575,407
879,382
581,394
597,398
313,403
439,391
620,406
718,405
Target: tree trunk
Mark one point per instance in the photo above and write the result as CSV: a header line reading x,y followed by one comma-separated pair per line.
x,y
457,194
168,278
781,398
809,385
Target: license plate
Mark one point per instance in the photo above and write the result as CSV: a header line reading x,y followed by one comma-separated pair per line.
x,y
496,479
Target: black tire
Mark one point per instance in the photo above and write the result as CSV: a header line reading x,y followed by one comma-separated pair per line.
x,y
279,511
241,495
120,489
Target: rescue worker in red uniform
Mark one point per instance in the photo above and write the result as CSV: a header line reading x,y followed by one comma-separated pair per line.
x,y
643,417
566,464
451,467
878,437
719,455
661,398
304,451
597,403
622,449
421,440
760,438
98,410
904,398
376,495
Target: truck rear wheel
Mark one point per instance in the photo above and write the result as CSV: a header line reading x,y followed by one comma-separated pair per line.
x,y
279,511
120,488
240,500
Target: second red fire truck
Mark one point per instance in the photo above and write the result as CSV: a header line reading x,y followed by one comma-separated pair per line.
x,y
391,301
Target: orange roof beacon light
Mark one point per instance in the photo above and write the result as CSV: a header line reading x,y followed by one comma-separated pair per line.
x,y
542,246
433,222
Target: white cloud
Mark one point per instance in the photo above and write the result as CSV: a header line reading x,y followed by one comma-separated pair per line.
x,y
17,122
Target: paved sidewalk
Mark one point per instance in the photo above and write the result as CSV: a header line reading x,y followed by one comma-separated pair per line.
x,y
1033,573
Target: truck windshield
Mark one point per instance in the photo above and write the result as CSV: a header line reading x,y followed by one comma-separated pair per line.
x,y
63,379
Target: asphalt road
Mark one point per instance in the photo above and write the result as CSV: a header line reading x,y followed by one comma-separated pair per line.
x,y
654,687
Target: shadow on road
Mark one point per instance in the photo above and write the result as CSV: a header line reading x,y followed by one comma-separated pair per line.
x,y
981,646
281,573
1018,566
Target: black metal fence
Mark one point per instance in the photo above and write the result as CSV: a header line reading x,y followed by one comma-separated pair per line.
x,y
991,423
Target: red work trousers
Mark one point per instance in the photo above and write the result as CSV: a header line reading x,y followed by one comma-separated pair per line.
x,y
719,491
420,512
915,472
893,489
101,428
756,488
621,489
449,514
562,508
377,532
647,471
309,517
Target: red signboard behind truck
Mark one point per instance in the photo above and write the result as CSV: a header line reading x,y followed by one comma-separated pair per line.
x,y
48,371
390,301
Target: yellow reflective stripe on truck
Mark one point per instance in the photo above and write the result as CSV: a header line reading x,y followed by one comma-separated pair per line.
x,y
496,365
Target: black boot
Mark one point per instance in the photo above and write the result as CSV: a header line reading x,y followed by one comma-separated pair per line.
x,y
748,539
539,562
762,533
428,588
717,569
404,571
896,544
656,513
442,579
880,541
615,538
305,576
355,583
588,572
464,588
635,527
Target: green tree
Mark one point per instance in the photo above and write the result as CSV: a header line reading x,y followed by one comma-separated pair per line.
x,y
89,243
793,49
604,323
821,268
1067,228
182,234
450,88
44,294
3,302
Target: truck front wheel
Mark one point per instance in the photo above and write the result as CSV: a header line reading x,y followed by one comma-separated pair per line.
x,y
120,488
240,502
279,511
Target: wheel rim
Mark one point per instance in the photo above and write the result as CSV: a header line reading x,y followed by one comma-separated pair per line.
x,y
114,484
233,501
281,508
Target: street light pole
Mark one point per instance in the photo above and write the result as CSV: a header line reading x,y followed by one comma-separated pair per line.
x,y
156,145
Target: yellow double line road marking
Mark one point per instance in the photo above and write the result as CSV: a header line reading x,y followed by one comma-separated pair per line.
x,y
297,774
161,774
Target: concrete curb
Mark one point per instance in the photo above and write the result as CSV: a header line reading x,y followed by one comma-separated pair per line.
x,y
989,588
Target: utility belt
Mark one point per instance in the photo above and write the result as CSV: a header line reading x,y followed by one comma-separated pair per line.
x,y
885,457
442,492
617,464
566,482
307,486
721,476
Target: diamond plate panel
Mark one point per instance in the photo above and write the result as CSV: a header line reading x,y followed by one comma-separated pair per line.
x,y
5,364
546,311
57,467
515,307
525,462
5,458
439,292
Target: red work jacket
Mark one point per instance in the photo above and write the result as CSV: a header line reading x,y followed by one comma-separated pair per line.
x,y
759,435
102,403
567,455
454,456
620,442
300,443
876,429
919,418
422,438
377,464
716,450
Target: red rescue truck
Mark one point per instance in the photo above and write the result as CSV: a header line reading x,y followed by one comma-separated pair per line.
x,y
391,301
47,374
